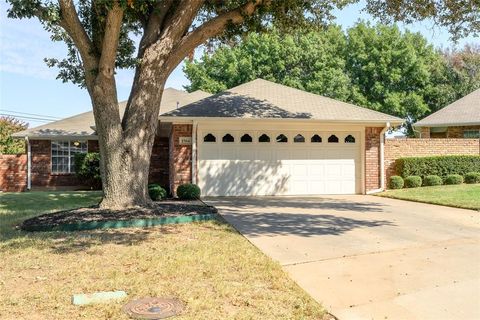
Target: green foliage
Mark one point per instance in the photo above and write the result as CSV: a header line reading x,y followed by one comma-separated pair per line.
x,y
396,182
454,179
87,169
432,180
188,191
413,182
438,165
377,67
472,177
8,126
156,192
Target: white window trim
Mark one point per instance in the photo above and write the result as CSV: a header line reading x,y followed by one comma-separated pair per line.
x,y
69,156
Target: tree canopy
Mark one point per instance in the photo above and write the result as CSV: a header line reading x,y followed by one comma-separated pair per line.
x,y
8,126
377,67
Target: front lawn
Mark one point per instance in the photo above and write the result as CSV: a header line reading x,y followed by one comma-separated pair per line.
x,y
216,272
461,196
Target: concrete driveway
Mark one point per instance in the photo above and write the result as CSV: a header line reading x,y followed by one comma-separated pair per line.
x,y
365,257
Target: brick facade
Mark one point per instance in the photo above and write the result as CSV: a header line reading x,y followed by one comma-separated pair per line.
x,y
159,167
451,133
180,157
372,158
399,148
13,172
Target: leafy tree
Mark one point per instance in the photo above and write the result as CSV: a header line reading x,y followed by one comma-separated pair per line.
x,y
99,35
8,126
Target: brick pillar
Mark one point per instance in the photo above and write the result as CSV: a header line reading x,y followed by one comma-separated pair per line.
x,y
425,133
372,158
180,157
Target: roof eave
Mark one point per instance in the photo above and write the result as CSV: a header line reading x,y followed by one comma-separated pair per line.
x,y
450,124
50,137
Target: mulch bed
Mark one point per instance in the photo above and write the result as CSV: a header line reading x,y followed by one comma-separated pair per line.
x,y
168,208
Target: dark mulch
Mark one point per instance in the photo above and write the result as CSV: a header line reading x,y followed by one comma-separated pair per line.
x,y
160,209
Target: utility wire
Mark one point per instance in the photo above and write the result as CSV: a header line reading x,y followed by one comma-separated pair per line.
x,y
31,114
27,118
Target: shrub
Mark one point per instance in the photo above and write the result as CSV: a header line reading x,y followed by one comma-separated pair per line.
x,y
188,191
439,165
413,181
396,182
156,192
472,177
454,179
432,180
87,169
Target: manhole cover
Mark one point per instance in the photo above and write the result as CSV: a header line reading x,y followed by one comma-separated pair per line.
x,y
153,308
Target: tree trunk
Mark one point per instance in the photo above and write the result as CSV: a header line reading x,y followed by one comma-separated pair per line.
x,y
126,144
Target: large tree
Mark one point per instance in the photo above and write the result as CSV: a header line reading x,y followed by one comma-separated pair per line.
x,y
9,125
99,35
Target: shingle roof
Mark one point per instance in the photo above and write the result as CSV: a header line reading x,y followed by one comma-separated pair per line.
x,y
264,99
82,125
465,111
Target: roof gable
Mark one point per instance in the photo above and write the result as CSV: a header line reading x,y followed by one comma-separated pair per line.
x,y
266,100
464,111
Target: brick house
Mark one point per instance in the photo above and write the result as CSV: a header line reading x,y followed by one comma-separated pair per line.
x,y
259,138
460,119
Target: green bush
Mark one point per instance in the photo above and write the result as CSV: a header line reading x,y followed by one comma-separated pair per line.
x,y
156,192
188,191
87,169
396,182
454,179
432,180
413,181
440,166
472,177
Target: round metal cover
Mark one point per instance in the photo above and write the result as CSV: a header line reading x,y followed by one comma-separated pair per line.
x,y
153,308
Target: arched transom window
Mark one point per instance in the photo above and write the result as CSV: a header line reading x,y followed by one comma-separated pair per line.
x,y
316,138
282,138
299,138
349,139
264,138
228,138
209,138
333,139
246,138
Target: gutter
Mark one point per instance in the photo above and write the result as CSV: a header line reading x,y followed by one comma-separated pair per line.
x,y
382,160
29,164
194,152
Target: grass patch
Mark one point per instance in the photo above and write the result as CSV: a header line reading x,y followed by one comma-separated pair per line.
x,y
465,196
216,272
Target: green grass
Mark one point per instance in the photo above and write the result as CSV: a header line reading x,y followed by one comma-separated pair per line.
x,y
216,272
465,196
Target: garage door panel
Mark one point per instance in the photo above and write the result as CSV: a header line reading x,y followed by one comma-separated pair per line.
x,y
243,169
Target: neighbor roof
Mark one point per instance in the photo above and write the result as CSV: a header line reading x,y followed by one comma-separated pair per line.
x,y
83,125
463,112
262,99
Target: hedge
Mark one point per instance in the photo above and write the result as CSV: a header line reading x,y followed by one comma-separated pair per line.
x,y
396,182
188,191
454,179
156,192
472,177
439,165
413,182
432,181
87,169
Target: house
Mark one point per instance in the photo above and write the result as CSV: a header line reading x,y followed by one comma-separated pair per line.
x,y
259,138
460,119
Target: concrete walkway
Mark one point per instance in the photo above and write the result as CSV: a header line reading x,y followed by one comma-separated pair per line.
x,y
365,257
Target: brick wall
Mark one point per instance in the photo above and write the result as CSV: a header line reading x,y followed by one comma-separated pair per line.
x,y
451,133
159,166
13,172
372,158
180,157
400,148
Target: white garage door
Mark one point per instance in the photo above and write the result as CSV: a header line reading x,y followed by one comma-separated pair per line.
x,y
237,163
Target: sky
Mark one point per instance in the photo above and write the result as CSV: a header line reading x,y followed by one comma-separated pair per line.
x,y
28,87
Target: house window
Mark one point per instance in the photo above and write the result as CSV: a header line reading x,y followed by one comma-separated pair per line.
x,y
264,138
282,138
63,155
333,139
471,134
209,138
228,138
299,138
349,139
246,138
316,138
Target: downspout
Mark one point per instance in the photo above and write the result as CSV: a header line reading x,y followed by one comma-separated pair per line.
x,y
194,152
29,164
382,160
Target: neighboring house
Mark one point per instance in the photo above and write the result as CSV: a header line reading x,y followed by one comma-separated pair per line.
x,y
461,119
259,138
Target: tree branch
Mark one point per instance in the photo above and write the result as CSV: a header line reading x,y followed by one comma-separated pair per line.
x,y
181,20
154,24
72,25
111,37
211,29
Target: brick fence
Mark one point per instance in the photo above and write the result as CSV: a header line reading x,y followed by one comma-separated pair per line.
x,y
400,148
13,172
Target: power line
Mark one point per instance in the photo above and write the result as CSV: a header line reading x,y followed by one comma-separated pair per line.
x,y
27,118
32,114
